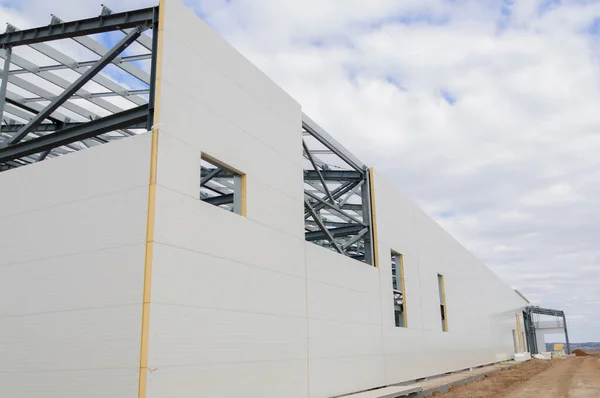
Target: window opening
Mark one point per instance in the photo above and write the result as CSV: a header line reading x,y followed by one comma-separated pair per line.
x,y
222,186
399,290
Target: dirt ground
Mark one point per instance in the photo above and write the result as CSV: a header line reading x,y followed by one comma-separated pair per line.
x,y
560,378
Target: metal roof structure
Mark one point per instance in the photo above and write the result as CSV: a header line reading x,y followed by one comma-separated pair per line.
x,y
337,195
63,90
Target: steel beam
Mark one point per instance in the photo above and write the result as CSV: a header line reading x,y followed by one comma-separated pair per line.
x,y
83,27
333,175
220,200
328,141
34,109
93,96
49,127
76,133
83,64
351,229
209,176
355,239
43,155
76,85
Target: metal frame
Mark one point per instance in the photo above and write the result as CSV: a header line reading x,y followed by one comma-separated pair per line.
x,y
37,123
530,333
337,198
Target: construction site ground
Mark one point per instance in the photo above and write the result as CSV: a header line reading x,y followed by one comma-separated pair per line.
x,y
577,377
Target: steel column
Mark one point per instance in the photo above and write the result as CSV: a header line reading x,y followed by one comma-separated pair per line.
x,y
4,84
152,96
566,333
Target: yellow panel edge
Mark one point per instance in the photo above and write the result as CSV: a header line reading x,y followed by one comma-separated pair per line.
x,y
148,266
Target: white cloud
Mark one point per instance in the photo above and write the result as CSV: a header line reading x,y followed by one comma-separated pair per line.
x,y
512,163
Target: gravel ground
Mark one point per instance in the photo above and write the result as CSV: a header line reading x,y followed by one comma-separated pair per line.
x,y
560,378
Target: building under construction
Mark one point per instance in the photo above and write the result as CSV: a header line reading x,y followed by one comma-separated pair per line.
x,y
173,225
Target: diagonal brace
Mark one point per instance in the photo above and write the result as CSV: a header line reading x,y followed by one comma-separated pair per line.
x,y
77,84
312,161
213,173
322,227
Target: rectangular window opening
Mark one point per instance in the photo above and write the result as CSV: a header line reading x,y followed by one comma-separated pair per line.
x,y
222,186
399,290
442,293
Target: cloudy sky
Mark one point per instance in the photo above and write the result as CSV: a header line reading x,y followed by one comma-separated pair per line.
x,y
484,112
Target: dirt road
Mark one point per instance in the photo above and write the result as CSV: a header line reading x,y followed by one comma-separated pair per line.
x,y
560,378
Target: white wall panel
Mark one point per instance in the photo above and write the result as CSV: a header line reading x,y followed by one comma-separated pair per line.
x,y
327,266
71,272
90,383
184,336
194,225
195,279
187,119
99,338
85,225
179,165
331,377
228,292
183,28
80,175
478,303
333,339
274,209
104,278
245,379
243,305
335,303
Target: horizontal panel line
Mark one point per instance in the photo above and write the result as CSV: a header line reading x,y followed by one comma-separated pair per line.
x,y
136,303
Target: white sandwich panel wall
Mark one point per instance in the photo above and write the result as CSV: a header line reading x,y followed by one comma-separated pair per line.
x,y
244,304
344,324
480,307
71,272
228,298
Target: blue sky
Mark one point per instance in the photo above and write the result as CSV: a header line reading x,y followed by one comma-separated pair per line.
x,y
484,112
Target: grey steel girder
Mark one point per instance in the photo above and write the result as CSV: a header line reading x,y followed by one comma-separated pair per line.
x,y
100,24
75,133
